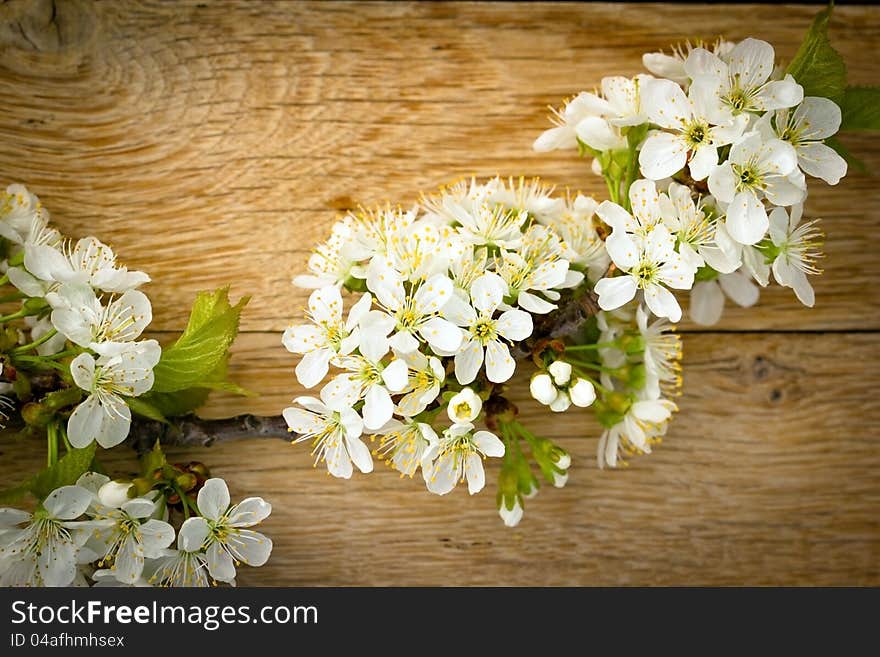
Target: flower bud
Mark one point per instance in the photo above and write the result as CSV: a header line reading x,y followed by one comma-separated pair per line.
x,y
560,371
561,459
511,515
561,403
542,388
142,486
582,393
186,481
114,493
35,415
464,407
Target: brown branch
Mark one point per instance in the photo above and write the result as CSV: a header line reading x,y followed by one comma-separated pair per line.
x,y
193,431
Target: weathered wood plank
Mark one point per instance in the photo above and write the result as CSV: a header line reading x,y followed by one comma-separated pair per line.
x,y
213,143
769,475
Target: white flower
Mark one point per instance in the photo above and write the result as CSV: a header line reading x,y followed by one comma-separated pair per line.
x,y
797,246
421,250
755,169
186,566
649,263
126,372
582,393
672,66
695,133
21,214
128,536
581,242
464,407
696,233
742,83
707,297
80,316
334,261
335,435
368,378
564,135
88,262
403,444
484,223
537,266
643,421
457,456
530,195
426,375
228,540
412,313
662,353
485,332
805,128
44,552
327,336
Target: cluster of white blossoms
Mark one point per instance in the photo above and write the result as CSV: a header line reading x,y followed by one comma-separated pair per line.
x,y
95,533
75,291
706,162
74,366
723,141
448,289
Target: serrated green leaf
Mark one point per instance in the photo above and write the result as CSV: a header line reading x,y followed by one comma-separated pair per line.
x,y
844,152
144,408
203,346
65,472
817,66
861,108
153,460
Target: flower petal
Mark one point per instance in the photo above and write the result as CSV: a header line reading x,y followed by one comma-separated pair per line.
x,y
488,443
213,499
476,476
707,303
468,361
615,292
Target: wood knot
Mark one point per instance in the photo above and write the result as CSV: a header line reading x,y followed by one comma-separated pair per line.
x,y
46,26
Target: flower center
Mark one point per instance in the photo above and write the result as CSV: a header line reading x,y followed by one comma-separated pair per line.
x,y
484,330
748,177
645,272
696,135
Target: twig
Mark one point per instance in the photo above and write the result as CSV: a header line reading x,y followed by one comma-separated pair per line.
x,y
193,431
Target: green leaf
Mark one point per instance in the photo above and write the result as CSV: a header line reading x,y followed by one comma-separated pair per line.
x,y
175,404
153,460
861,108
204,345
65,472
842,150
144,408
817,66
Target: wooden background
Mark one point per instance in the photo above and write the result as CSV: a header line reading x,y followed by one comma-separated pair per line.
x,y
214,143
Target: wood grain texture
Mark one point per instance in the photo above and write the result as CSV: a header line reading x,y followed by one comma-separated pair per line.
x,y
213,143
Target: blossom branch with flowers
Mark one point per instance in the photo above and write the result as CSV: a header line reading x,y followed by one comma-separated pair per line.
x,y
707,160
